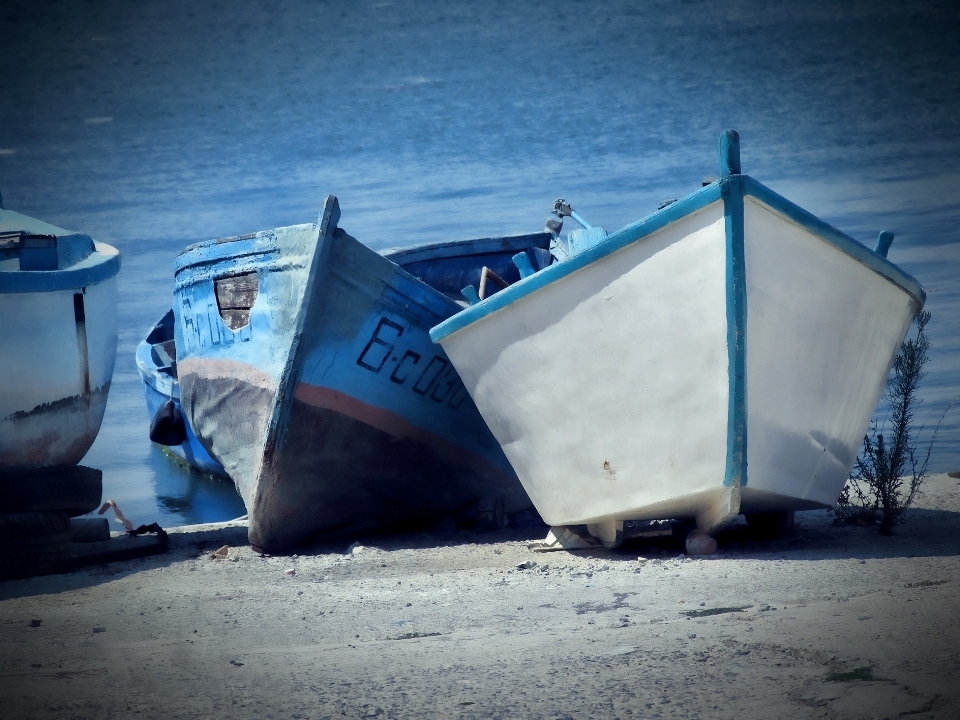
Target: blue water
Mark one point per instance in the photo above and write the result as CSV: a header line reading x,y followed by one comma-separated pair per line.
x,y
152,125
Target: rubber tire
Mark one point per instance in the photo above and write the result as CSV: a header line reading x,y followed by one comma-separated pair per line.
x,y
88,530
71,489
168,426
34,544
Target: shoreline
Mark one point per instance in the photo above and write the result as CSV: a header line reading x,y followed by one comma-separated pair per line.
x,y
828,621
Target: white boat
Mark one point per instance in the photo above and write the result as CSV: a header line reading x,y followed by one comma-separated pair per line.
x,y
722,356
58,341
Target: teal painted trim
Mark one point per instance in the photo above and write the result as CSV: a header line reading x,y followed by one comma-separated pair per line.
x,y
838,239
736,300
729,147
470,294
884,241
100,265
523,264
611,244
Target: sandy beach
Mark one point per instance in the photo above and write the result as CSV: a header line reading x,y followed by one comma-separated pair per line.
x,y
827,622
154,125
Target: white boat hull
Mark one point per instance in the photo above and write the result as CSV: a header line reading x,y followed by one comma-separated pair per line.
x,y
593,355
815,370
58,344
722,356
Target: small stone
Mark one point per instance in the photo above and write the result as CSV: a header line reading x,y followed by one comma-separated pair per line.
x,y
700,543
289,572
34,623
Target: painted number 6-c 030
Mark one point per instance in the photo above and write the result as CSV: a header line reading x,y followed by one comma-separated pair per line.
x,y
435,379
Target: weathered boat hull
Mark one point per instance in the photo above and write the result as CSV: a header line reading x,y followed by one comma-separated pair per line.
x,y
326,402
58,341
157,364
644,377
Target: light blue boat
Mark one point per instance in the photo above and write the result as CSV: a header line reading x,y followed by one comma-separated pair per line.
x,y
58,340
157,364
306,369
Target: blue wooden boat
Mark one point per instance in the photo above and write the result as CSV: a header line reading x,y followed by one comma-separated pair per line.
x,y
58,340
307,371
722,356
157,364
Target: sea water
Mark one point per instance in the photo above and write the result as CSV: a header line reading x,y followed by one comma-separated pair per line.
x,y
153,125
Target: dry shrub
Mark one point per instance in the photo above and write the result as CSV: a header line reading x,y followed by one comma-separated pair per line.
x,y
888,474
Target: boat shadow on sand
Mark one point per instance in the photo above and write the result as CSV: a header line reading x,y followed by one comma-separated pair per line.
x,y
815,537
818,535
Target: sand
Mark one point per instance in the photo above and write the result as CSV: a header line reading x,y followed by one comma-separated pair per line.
x,y
476,625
